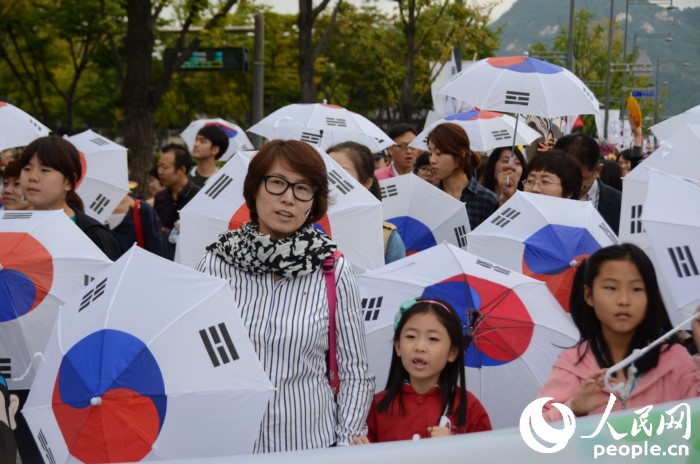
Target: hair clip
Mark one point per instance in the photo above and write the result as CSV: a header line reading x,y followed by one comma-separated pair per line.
x,y
405,306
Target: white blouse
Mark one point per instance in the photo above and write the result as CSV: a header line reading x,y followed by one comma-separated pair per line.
x,y
287,322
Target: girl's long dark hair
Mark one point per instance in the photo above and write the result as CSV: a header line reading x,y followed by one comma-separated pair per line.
x,y
452,378
655,323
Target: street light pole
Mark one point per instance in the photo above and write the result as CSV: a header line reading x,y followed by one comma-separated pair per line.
x,y
607,74
570,41
624,60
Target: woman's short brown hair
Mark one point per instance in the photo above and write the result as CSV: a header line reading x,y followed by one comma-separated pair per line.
x,y
297,156
452,139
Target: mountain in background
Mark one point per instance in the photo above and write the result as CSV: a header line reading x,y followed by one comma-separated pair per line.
x,y
531,21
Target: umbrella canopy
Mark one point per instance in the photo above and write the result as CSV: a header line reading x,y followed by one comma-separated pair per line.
x,y
353,221
321,125
519,84
543,237
44,260
423,215
18,128
517,325
237,138
486,130
105,179
130,375
676,155
666,129
674,237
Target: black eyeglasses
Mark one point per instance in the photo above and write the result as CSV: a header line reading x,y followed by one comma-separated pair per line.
x,y
277,186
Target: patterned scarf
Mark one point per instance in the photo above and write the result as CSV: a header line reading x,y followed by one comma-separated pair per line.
x,y
250,251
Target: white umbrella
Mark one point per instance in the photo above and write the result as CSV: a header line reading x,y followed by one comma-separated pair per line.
x,y
44,260
674,236
353,220
518,326
164,374
18,128
237,138
666,129
523,85
321,125
423,214
105,179
486,130
542,237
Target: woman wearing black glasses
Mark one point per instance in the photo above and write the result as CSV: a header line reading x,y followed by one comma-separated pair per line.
x,y
274,266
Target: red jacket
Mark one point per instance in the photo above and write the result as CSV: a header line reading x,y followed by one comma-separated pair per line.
x,y
421,412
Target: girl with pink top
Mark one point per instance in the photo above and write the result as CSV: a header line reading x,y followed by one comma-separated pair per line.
x,y
616,305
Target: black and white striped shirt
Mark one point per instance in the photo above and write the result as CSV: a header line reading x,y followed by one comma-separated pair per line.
x,y
287,322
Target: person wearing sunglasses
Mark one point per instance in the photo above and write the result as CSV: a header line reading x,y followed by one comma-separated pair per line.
x,y
274,267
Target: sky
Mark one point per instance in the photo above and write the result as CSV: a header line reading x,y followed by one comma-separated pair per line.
x,y
292,6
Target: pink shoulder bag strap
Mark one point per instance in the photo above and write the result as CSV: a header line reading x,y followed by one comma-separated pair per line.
x,y
328,268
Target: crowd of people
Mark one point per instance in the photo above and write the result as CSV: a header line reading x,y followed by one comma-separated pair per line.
x,y
278,266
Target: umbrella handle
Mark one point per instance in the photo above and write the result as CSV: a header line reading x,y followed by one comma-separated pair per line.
x,y
638,353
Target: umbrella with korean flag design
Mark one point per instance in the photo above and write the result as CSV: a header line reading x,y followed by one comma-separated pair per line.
x,y
17,128
105,179
542,237
44,260
423,215
522,85
674,240
165,374
237,138
353,220
516,327
486,130
321,125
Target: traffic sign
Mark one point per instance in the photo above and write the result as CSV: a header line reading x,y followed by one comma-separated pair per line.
x,y
644,93
212,59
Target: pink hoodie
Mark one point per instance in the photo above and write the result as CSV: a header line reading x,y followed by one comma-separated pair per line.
x,y
676,377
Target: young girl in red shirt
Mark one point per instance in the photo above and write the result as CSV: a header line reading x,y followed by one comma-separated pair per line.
x,y
425,394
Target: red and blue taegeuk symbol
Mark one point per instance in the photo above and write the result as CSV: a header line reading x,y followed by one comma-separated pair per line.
x,y
551,255
523,64
416,236
473,115
503,328
228,130
26,274
242,215
109,398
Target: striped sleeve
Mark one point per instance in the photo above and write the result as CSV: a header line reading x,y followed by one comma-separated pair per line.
x,y
356,380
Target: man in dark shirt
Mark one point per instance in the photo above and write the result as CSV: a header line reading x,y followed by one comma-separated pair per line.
x,y
174,164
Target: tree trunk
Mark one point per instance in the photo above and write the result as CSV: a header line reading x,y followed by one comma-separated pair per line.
x,y
406,99
306,52
139,96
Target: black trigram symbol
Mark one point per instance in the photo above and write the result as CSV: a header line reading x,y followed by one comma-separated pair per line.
x,y
337,180
99,141
379,141
503,219
492,266
218,343
93,294
98,205
608,232
461,233
371,307
517,98
217,187
310,137
17,215
683,261
389,191
6,367
337,122
45,446
87,280
636,222
501,134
